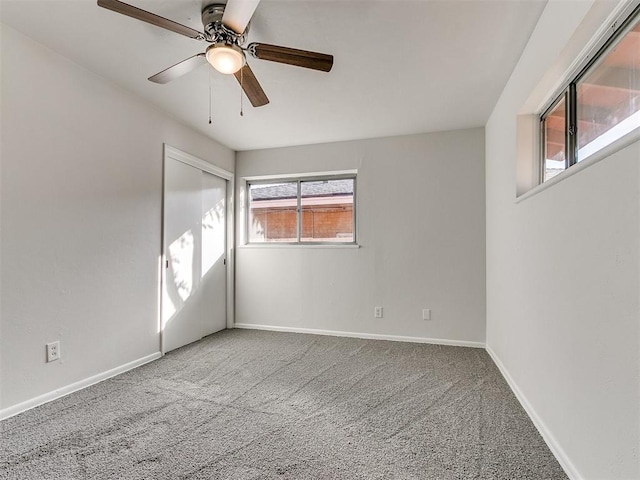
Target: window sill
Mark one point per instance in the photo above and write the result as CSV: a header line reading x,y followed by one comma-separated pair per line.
x,y
606,152
297,245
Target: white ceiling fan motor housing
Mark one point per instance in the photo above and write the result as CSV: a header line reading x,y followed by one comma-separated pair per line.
x,y
214,29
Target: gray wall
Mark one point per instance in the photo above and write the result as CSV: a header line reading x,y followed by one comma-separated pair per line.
x,y
81,220
563,271
420,213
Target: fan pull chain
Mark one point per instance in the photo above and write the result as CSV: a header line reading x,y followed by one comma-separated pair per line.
x,y
209,96
241,89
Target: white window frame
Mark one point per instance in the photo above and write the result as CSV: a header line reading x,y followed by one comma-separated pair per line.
x,y
306,177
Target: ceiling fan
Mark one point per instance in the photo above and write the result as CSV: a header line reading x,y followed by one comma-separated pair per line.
x,y
226,28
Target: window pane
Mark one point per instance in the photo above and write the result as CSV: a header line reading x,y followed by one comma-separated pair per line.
x,y
272,212
555,140
609,96
327,211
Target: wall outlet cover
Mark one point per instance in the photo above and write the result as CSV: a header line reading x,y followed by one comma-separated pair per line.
x,y
53,351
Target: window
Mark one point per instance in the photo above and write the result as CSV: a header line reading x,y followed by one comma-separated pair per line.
x,y
599,106
312,211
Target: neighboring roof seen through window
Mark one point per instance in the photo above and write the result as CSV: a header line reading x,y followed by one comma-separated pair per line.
x,y
309,189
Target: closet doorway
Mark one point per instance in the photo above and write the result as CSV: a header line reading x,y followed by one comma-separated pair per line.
x,y
195,249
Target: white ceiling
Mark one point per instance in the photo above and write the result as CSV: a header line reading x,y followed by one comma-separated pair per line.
x,y
400,66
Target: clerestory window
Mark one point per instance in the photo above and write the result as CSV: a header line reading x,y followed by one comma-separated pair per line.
x,y
598,107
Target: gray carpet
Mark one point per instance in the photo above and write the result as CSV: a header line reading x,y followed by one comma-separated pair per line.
x,y
246,404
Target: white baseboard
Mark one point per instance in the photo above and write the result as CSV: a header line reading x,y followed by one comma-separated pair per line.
x,y
547,436
369,336
74,387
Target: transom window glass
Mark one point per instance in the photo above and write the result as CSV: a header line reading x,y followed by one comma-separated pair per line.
x,y
608,96
302,211
599,106
555,141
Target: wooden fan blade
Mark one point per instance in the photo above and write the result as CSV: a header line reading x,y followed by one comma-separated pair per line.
x,y
237,14
292,56
179,69
152,18
251,86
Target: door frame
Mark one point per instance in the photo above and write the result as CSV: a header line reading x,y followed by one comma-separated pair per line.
x,y
180,156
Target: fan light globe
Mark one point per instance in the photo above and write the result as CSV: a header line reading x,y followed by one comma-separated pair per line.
x,y
225,58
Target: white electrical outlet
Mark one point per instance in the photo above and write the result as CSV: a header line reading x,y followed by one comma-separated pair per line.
x,y
53,351
377,312
426,314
